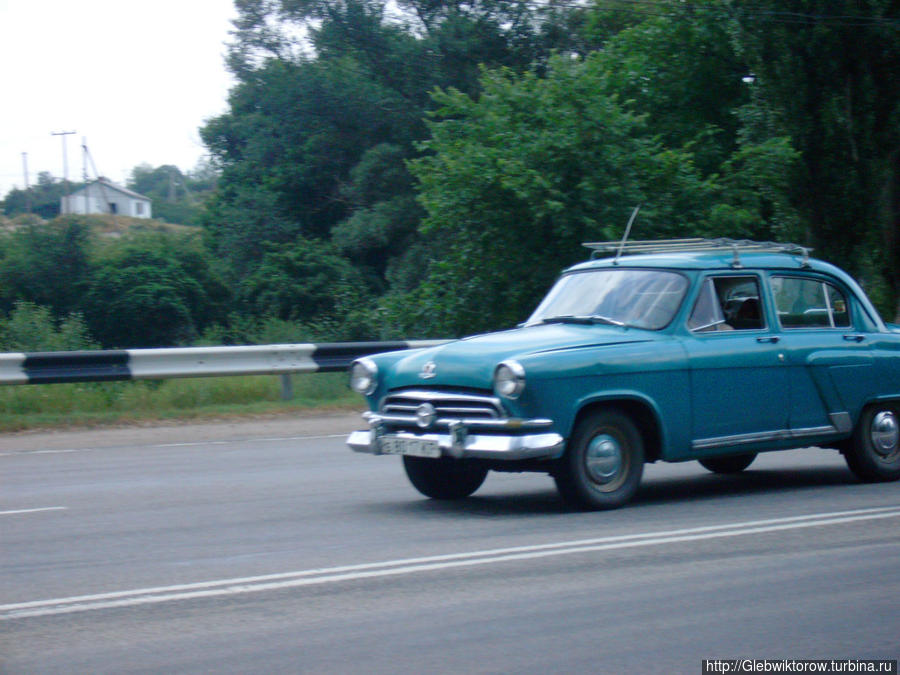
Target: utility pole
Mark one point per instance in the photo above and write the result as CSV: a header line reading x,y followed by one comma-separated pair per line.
x,y
65,165
84,173
27,187
99,181
171,199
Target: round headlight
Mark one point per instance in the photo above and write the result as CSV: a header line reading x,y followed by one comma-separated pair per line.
x,y
364,376
509,379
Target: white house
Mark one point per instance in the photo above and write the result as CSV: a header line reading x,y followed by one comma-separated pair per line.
x,y
104,196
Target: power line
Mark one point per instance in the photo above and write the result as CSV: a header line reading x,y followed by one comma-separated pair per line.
x,y
659,7
663,8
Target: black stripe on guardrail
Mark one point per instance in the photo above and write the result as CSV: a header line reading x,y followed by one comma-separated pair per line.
x,y
339,355
55,367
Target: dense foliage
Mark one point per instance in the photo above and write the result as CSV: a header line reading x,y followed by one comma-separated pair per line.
x,y
177,197
831,79
41,199
425,168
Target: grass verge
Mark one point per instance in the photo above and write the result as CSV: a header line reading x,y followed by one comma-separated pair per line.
x,y
109,403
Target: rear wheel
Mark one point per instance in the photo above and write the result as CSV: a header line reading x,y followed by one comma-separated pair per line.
x,y
604,462
729,464
874,451
444,478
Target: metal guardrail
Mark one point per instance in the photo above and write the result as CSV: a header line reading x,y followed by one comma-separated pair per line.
x,y
158,364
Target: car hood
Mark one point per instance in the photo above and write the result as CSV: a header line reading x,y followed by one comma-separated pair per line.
x,y
470,362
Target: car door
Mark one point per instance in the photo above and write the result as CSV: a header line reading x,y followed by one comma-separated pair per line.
x,y
739,387
828,350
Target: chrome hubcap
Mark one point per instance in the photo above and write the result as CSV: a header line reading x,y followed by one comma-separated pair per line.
x,y
884,433
603,458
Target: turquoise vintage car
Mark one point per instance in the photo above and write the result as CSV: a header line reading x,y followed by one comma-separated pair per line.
x,y
709,350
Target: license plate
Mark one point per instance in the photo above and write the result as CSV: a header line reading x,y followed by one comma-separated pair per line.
x,y
416,447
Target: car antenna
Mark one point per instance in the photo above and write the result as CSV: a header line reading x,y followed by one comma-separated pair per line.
x,y
627,232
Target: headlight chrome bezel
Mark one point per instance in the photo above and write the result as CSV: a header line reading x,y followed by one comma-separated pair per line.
x,y
364,376
509,379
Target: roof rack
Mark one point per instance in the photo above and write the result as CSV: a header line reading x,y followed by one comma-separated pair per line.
x,y
696,245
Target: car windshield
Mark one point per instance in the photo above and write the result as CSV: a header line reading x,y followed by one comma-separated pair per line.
x,y
638,298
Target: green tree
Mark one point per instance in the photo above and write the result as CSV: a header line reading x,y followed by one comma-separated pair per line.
x,y
287,147
678,66
153,291
518,179
138,306
828,75
303,282
43,197
754,199
32,328
720,118
46,264
309,122
385,212
159,182
177,197
681,70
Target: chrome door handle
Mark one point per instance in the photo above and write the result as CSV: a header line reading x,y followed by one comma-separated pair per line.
x,y
854,338
768,340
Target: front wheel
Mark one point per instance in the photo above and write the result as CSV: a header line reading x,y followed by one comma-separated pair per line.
x,y
604,462
444,478
873,453
728,464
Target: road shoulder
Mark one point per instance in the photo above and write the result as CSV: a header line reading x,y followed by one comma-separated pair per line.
x,y
280,426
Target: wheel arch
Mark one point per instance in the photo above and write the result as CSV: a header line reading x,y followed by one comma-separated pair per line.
x,y
642,412
856,415
873,453
877,400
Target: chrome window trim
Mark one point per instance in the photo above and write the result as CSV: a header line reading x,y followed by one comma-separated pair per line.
x,y
711,277
825,282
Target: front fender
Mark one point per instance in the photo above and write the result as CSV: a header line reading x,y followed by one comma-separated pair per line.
x,y
653,375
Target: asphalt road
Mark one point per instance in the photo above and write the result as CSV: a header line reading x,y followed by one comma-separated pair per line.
x,y
270,547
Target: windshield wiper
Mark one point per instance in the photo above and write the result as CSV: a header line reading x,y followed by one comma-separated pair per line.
x,y
587,319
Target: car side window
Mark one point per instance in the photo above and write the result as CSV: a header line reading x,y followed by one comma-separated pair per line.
x,y
809,303
727,303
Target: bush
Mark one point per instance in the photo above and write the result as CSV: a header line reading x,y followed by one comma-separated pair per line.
x,y
31,328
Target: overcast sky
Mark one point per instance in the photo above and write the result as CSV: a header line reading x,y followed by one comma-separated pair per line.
x,y
135,78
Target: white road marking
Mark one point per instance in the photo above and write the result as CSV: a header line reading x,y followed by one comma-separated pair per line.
x,y
271,582
44,508
187,445
174,445
304,438
249,440
45,452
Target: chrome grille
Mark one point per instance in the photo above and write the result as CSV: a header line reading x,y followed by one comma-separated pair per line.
x,y
447,404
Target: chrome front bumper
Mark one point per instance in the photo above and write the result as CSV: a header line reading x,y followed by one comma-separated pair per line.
x,y
458,441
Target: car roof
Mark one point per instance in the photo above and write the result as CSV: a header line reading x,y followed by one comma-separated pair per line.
x,y
733,261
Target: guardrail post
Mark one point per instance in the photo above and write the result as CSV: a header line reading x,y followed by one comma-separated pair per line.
x,y
287,387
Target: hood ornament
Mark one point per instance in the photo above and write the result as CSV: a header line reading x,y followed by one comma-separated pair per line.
x,y
428,370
